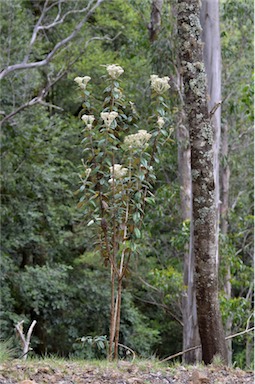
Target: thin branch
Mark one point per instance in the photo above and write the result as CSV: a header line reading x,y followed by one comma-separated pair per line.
x,y
240,333
26,353
214,109
148,285
57,21
30,330
237,144
179,353
129,349
60,44
45,91
162,306
35,31
34,101
19,328
50,105
236,200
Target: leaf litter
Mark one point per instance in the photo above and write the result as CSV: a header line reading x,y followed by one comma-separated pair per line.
x,y
64,372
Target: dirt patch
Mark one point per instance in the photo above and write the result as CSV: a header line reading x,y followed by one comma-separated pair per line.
x,y
55,372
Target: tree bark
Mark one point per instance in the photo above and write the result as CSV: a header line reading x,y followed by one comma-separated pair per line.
x,y
203,186
210,23
189,310
155,23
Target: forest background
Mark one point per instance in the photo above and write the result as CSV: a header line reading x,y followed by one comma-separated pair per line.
x,y
50,271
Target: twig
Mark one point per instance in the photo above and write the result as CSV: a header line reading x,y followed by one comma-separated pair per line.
x,y
214,108
24,354
239,333
180,353
39,99
129,349
164,306
199,346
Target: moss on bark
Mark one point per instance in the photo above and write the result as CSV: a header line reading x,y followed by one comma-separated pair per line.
x,y
204,210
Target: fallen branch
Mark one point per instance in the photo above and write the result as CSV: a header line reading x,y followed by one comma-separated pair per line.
x,y
199,346
180,353
129,349
25,339
239,333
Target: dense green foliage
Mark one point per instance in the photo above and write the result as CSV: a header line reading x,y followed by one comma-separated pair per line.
x,y
49,268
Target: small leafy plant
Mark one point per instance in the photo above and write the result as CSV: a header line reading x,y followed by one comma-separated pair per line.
x,y
118,176
95,346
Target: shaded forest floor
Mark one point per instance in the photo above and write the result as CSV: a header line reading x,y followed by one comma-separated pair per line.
x,y
141,372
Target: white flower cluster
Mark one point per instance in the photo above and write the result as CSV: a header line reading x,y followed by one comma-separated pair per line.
x,y
160,122
82,81
88,120
108,117
87,172
137,140
114,70
118,171
159,84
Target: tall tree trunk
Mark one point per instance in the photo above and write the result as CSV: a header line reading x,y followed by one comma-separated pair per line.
x,y
155,23
210,23
225,175
189,311
203,186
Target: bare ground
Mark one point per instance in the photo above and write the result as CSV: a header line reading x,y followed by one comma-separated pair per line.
x,y
146,372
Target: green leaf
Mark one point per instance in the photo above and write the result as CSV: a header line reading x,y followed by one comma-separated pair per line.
x,y
136,217
144,162
100,344
100,142
137,233
108,89
150,200
161,111
164,132
107,99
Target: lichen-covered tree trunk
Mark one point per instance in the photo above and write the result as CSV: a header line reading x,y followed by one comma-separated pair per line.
x,y
203,186
189,311
210,23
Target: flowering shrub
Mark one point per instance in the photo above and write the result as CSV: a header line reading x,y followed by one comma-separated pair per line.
x,y
82,81
160,85
118,176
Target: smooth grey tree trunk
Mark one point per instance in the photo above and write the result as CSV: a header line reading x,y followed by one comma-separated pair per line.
x,y
155,23
203,185
210,23
189,311
225,176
